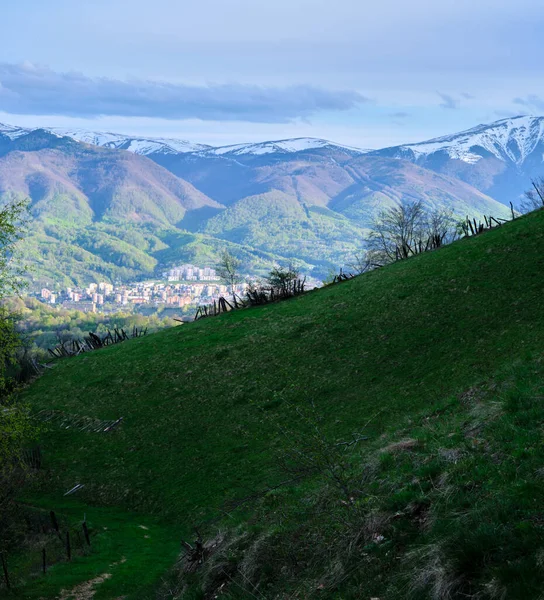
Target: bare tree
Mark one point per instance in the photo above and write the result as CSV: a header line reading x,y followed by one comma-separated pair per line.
x,y
361,262
440,228
228,270
394,232
404,230
534,198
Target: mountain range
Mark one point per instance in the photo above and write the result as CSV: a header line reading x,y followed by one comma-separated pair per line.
x,y
117,207
499,159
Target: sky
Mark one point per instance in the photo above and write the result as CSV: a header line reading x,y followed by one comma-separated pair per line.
x,y
364,73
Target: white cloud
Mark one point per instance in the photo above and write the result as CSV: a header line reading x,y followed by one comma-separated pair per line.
x,y
31,89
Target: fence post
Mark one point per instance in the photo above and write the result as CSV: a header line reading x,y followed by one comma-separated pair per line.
x,y
54,521
68,546
86,533
44,566
5,567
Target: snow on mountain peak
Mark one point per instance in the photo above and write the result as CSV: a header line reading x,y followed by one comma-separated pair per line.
x,y
147,145
279,146
137,145
510,140
13,132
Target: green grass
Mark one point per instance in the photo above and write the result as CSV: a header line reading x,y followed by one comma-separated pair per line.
x,y
134,551
392,346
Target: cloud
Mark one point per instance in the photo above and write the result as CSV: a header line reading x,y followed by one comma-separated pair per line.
x,y
400,115
507,114
32,89
448,101
467,96
531,101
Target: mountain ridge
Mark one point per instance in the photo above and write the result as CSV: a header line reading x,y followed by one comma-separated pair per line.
x,y
499,158
512,139
305,200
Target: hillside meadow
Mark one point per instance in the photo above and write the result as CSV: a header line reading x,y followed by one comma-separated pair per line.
x,y
374,438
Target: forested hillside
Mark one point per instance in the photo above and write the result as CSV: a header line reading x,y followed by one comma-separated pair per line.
x,y
103,213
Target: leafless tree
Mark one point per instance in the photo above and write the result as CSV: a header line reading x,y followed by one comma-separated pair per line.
x,y
534,198
404,230
440,227
228,270
361,262
394,232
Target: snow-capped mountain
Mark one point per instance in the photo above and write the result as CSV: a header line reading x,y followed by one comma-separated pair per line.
x,y
510,140
13,132
288,146
499,158
137,145
151,145
303,198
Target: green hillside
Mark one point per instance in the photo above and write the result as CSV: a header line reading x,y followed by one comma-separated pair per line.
x,y
379,438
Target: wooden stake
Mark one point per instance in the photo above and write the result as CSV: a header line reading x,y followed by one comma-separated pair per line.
x,y
54,521
5,567
86,533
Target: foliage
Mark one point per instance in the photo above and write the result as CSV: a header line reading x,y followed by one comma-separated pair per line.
x,y
41,326
228,269
14,424
285,282
15,431
12,223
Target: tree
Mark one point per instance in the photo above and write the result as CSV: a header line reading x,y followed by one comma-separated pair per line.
x,y
361,262
13,217
394,232
534,198
440,228
14,423
228,270
12,227
404,230
285,281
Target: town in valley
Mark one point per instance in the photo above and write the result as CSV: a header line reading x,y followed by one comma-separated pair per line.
x,y
180,290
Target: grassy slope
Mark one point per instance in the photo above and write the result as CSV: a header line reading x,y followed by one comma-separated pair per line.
x,y
397,342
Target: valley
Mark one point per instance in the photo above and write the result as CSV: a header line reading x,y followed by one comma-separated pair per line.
x,y
108,206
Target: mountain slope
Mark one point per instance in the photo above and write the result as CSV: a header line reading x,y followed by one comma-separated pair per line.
x,y
114,186
315,178
381,182
96,212
499,158
304,200
318,212
423,381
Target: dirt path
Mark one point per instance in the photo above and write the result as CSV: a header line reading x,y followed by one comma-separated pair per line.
x,y
85,590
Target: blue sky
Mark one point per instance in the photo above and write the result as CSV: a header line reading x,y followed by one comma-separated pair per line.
x,y
369,74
